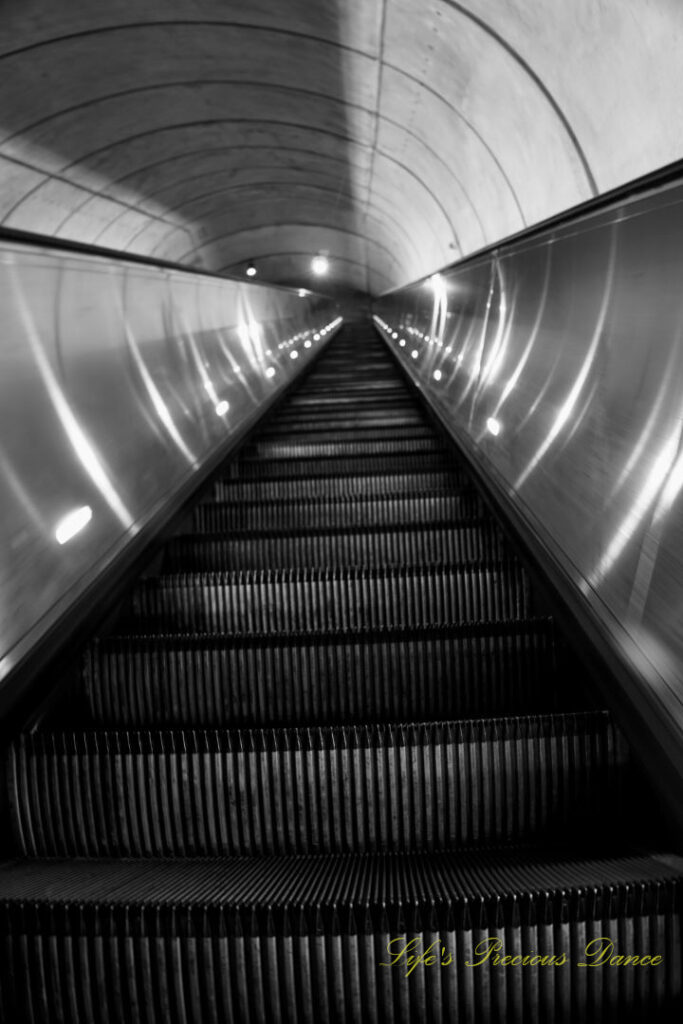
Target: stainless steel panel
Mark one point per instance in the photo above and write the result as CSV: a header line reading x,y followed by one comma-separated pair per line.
x,y
557,362
117,383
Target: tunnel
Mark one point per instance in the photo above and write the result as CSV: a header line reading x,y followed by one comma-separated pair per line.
x,y
341,657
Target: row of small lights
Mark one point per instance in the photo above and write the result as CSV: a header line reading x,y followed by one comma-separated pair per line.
x,y
492,424
77,519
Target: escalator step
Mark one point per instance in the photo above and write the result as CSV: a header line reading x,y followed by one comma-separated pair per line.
x,y
336,466
283,601
323,939
446,543
302,432
349,677
305,488
389,510
325,449
421,786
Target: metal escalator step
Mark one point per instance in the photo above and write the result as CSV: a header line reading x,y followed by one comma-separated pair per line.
x,y
368,485
391,510
301,434
356,465
327,939
314,449
329,418
399,400
452,543
332,789
283,601
350,677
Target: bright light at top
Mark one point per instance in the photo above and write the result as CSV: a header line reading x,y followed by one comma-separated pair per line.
x,y
270,372
493,426
251,270
320,265
72,523
434,282
222,408
302,293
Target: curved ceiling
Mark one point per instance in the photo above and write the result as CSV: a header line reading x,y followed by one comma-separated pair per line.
x,y
396,135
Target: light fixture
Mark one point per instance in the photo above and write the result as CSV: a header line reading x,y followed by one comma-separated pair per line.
x,y
222,408
493,426
302,293
437,375
270,372
294,354
251,270
72,523
320,265
414,353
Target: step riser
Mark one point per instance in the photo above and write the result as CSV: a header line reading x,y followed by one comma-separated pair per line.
x,y
156,684
284,979
336,466
263,450
318,791
339,487
290,602
302,434
365,512
188,554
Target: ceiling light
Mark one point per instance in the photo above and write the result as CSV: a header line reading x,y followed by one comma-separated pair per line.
x,y
251,270
222,408
320,265
493,426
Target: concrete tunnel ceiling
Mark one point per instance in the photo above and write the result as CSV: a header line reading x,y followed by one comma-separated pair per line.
x,y
396,135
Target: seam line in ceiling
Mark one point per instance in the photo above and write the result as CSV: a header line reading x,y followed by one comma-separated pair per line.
x,y
287,224
83,160
538,82
183,23
402,230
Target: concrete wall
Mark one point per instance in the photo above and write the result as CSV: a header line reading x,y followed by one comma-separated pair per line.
x,y
397,135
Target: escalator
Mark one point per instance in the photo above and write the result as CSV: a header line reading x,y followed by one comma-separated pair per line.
x,y
336,762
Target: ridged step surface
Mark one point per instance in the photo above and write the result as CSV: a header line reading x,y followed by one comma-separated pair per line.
x,y
295,600
304,488
321,789
328,939
336,513
452,542
344,676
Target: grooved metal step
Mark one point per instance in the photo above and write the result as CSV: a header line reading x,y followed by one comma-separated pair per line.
x,y
303,488
422,786
374,447
283,601
323,939
336,466
298,433
470,542
391,510
350,676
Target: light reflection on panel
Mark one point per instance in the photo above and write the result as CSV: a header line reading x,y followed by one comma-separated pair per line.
x,y
117,383
558,361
